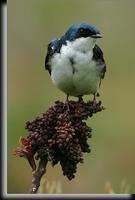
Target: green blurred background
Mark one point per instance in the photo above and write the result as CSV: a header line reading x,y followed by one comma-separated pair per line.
x,y
31,25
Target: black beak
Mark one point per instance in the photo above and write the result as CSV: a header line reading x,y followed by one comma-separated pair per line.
x,y
98,35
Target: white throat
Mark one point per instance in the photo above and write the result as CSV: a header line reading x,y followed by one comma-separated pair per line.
x,y
82,44
73,69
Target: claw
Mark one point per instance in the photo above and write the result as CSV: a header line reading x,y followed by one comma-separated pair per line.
x,y
94,101
66,104
80,98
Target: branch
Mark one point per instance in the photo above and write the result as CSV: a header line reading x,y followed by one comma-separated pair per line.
x,y
38,175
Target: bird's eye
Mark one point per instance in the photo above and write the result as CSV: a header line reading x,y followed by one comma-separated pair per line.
x,y
81,30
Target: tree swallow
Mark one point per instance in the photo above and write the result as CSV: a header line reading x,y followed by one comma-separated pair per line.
x,y
74,61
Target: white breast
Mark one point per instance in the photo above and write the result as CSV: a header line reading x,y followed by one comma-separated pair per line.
x,y
80,78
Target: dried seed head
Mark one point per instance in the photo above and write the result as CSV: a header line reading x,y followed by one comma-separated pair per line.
x,y
60,135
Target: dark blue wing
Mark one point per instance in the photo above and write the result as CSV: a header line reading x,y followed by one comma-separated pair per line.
x,y
53,47
98,57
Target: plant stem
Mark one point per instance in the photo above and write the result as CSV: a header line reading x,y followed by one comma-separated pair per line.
x,y
38,175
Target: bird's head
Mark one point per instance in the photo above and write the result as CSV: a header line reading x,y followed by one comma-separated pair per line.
x,y
83,33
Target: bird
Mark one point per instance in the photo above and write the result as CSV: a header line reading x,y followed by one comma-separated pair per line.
x,y
75,62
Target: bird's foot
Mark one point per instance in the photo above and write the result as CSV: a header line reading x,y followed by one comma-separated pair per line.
x,y
66,104
94,102
80,98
